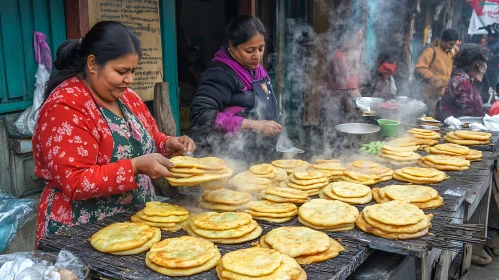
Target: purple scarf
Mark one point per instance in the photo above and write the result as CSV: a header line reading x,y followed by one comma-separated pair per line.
x,y
241,73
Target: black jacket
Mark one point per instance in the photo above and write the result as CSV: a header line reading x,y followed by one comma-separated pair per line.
x,y
219,87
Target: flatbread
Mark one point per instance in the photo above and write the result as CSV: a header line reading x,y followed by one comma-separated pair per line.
x,y
162,209
228,233
220,221
255,214
352,200
121,237
278,199
473,135
343,227
160,219
332,252
397,213
226,196
364,226
287,163
270,207
447,160
410,193
136,219
348,190
201,163
174,272
191,171
258,263
287,192
328,213
379,197
400,149
305,182
367,183
218,206
281,175
414,156
452,148
427,163
274,220
155,239
307,187
297,241
421,225
247,237
432,204
262,169
182,252
199,179
422,172
318,160
333,166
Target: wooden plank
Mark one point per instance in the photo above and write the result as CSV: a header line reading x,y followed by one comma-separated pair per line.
x,y
478,195
76,15
13,58
5,176
41,18
28,28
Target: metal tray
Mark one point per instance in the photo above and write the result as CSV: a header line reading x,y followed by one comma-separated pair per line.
x,y
471,119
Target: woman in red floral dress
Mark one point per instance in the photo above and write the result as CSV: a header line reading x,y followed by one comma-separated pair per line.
x,y
96,145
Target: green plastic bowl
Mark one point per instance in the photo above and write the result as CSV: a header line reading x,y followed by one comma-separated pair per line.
x,y
389,128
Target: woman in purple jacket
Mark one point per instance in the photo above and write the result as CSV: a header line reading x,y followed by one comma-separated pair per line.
x,y
234,109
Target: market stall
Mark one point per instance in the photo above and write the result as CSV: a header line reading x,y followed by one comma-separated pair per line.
x,y
463,192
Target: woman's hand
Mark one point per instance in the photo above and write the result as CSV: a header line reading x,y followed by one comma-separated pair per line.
x,y
263,127
152,165
180,145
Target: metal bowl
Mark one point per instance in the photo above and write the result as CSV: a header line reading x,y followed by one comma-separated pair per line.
x,y
357,128
430,127
471,119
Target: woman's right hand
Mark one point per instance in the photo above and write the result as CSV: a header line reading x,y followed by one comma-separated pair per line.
x,y
267,128
153,165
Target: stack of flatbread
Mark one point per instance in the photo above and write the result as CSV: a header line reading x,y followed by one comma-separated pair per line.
x,y
125,238
182,256
248,182
371,168
456,150
363,179
207,172
328,215
259,263
332,168
421,196
347,192
276,175
424,133
467,137
445,162
310,182
303,244
398,156
284,195
419,175
291,165
271,211
394,220
412,142
224,228
223,200
166,216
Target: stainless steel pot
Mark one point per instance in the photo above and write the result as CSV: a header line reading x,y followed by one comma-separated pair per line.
x,y
357,128
351,136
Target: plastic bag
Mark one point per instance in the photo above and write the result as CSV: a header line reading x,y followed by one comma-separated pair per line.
x,y
453,123
14,212
25,124
491,123
37,265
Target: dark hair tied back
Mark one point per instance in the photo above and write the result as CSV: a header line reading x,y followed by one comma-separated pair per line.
x,y
243,28
107,40
469,56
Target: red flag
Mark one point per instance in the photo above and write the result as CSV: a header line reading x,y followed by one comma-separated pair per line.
x,y
478,5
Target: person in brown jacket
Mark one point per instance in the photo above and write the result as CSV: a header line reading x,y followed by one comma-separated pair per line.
x,y
434,66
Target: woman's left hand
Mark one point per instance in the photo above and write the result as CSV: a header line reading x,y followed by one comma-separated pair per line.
x,y
180,145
